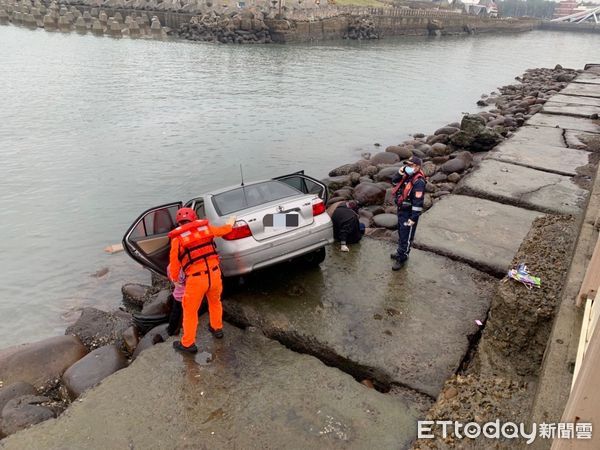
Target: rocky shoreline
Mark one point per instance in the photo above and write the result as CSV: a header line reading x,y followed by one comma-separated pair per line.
x,y
448,154
40,380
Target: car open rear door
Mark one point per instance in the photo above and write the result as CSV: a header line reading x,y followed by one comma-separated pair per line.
x,y
305,184
147,239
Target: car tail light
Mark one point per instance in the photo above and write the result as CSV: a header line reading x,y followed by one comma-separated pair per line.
x,y
240,230
318,207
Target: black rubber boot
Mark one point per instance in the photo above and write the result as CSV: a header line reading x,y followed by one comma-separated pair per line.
x,y
398,264
394,255
177,345
216,333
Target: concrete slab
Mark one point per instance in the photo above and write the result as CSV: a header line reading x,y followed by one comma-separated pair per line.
x,y
408,328
254,394
587,90
591,101
539,135
485,234
588,77
565,122
570,109
524,187
563,161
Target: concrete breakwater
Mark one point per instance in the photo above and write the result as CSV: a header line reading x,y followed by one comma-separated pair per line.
x,y
365,322
228,24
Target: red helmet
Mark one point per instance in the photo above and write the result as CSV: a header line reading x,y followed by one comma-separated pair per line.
x,y
184,214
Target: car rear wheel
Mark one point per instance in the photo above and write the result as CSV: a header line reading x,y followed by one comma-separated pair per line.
x,y
314,258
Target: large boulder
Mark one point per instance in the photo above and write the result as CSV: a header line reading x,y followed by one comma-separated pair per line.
x,y
384,158
155,336
23,412
474,135
97,328
389,221
335,183
386,174
346,169
135,294
454,165
92,369
158,303
401,151
369,194
40,362
15,390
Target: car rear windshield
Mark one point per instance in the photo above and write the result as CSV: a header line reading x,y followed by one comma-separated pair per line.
x,y
252,195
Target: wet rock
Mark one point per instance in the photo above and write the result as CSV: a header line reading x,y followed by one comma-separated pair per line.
x,y
157,303
375,209
135,294
428,168
402,152
346,169
92,369
23,412
365,213
418,135
442,138
430,187
384,158
369,171
369,194
446,130
365,180
427,202
49,23
386,174
474,135
439,149
131,338
454,165
389,221
454,177
333,200
15,390
439,177
80,25
439,160
114,29
39,362
97,27
155,336
346,194
335,183
97,328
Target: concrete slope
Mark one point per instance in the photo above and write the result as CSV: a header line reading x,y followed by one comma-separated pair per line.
x,y
254,394
524,187
409,327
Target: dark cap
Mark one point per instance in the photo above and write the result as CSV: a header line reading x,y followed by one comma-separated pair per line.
x,y
415,160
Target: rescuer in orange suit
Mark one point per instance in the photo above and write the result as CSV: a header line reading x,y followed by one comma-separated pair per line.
x,y
193,250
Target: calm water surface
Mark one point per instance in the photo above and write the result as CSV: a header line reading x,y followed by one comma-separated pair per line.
x,y
95,130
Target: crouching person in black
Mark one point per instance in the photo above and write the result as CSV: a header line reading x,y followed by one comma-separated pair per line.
x,y
346,227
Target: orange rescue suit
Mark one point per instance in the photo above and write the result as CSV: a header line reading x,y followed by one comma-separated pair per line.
x,y
193,250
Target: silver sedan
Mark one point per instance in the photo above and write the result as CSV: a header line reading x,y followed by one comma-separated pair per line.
x,y
277,220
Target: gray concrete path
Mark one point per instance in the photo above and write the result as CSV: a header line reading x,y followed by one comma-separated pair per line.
x,y
560,160
485,234
408,327
524,187
254,394
591,101
565,122
588,77
588,90
570,109
538,135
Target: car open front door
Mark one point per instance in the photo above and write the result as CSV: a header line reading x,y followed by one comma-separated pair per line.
x,y
147,240
306,184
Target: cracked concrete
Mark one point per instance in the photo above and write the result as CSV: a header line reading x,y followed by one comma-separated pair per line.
x,y
524,187
570,109
565,122
561,98
532,135
407,328
586,90
560,160
485,234
167,400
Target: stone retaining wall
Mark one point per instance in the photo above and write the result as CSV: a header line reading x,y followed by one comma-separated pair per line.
x,y
565,26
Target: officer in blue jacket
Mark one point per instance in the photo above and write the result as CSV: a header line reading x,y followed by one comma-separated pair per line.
x,y
409,194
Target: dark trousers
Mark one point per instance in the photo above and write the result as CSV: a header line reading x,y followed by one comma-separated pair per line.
x,y
175,317
406,234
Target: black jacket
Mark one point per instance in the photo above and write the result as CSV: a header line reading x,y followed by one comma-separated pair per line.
x,y
346,226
